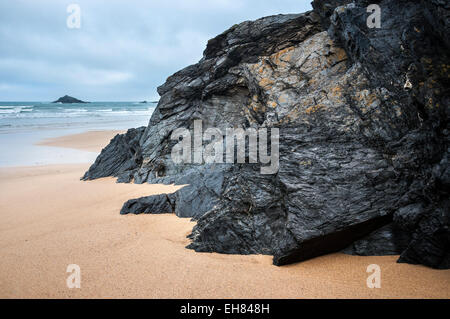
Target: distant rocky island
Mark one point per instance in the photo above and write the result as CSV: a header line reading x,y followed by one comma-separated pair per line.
x,y
68,100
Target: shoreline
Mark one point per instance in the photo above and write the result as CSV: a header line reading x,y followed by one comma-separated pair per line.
x,y
50,219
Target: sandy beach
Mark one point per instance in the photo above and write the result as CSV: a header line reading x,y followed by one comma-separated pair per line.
x,y
50,219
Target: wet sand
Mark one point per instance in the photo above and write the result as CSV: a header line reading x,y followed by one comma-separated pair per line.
x,y
50,219
91,141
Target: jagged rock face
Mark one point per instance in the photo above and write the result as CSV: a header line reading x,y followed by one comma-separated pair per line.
x,y
119,158
363,158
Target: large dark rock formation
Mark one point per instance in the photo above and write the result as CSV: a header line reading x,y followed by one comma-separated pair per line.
x,y
68,100
363,129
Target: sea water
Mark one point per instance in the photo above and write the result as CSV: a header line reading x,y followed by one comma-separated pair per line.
x,y
23,124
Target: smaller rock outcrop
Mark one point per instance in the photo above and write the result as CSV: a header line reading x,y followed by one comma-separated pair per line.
x,y
68,100
119,158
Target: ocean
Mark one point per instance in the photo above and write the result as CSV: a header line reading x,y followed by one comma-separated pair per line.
x,y
23,124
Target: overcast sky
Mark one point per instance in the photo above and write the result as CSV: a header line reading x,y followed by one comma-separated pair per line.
x,y
123,50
